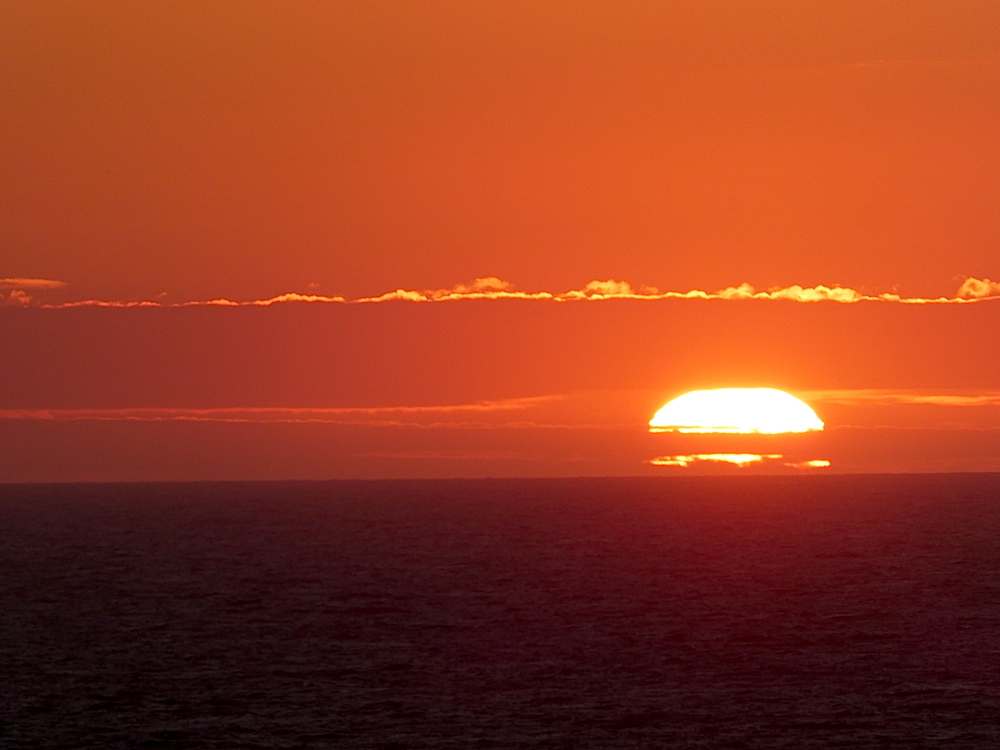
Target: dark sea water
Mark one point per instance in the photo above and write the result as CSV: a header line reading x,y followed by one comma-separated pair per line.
x,y
721,612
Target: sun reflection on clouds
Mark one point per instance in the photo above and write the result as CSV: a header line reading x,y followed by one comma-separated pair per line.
x,y
742,460
738,459
816,463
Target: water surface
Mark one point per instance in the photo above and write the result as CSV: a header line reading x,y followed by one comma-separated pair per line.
x,y
722,612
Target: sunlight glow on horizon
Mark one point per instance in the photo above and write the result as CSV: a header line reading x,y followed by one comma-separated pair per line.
x,y
736,410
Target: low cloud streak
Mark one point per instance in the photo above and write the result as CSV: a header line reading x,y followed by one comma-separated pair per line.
x,y
886,397
376,415
971,291
22,283
434,455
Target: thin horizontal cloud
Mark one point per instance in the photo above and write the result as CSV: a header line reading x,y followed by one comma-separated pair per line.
x,y
219,302
507,414
376,415
923,410
990,58
443,455
880,65
971,291
22,283
944,427
887,397
493,288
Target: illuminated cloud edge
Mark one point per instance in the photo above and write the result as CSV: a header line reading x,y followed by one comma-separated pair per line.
x,y
972,290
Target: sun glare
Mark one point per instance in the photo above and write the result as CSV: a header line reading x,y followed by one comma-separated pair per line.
x,y
736,410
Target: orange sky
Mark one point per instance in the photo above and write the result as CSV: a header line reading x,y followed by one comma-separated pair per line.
x,y
178,152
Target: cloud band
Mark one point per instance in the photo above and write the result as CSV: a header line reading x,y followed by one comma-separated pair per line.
x,y
972,290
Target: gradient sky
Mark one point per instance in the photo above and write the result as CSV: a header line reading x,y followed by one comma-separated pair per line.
x,y
187,152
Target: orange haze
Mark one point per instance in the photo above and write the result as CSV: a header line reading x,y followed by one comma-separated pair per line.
x,y
217,219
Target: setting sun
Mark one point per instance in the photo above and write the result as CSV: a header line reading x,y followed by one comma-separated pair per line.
x,y
736,410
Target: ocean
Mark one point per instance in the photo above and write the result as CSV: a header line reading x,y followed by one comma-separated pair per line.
x,y
693,612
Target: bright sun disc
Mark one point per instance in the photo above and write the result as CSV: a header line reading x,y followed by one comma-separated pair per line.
x,y
736,410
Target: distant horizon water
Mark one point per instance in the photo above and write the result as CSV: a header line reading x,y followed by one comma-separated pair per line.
x,y
794,611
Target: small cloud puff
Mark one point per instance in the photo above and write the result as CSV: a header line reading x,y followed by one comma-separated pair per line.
x,y
608,287
20,298
484,284
816,463
16,298
973,288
